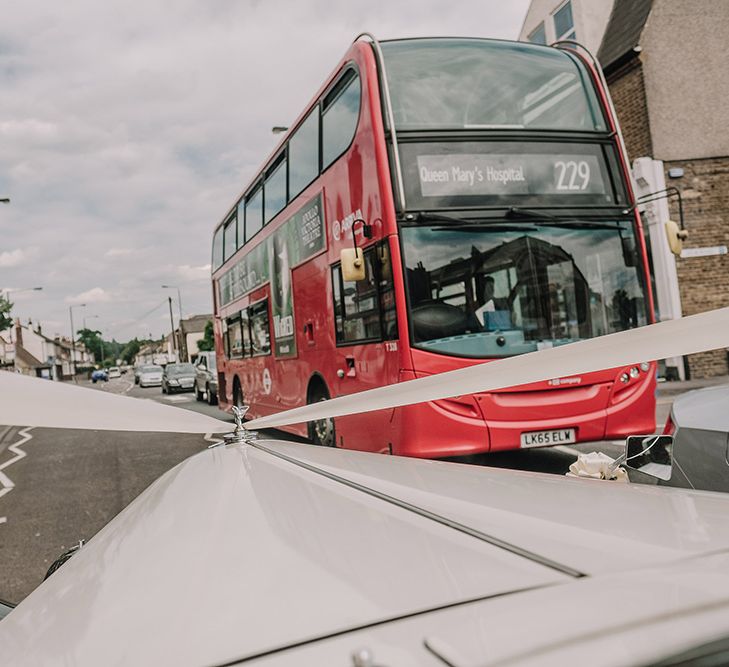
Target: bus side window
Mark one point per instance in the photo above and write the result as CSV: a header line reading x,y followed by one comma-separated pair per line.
x,y
359,307
226,339
235,342
387,292
260,328
254,213
304,154
246,333
340,112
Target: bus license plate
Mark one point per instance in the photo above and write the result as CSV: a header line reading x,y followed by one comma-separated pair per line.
x,y
562,436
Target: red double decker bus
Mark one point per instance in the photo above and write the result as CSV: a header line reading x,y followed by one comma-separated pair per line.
x,y
485,187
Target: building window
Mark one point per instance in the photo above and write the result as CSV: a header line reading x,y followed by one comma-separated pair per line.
x,y
304,154
538,35
340,111
564,26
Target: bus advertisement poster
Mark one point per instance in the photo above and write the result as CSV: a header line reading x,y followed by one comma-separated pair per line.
x,y
298,239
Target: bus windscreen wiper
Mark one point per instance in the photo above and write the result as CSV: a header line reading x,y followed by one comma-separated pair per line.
x,y
451,223
422,216
549,220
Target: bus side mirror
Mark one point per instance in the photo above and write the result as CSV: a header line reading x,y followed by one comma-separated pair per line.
x,y
676,237
353,266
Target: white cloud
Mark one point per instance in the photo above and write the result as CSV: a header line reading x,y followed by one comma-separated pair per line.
x,y
119,151
94,295
118,252
12,258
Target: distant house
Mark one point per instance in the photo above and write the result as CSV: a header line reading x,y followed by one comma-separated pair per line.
x,y
34,353
193,330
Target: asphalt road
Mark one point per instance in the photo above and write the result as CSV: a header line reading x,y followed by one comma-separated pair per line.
x,y
58,486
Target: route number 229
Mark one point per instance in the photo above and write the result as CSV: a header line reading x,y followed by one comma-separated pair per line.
x,y
572,175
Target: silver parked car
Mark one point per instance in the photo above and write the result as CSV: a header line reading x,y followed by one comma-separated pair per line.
x,y
699,424
206,378
178,377
150,376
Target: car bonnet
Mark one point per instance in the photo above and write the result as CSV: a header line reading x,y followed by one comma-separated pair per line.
x,y
242,553
592,526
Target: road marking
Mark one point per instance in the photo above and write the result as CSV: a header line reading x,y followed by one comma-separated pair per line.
x,y
129,388
7,484
177,399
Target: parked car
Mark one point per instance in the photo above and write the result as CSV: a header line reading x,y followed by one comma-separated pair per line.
x,y
150,376
99,375
114,372
206,378
178,377
699,424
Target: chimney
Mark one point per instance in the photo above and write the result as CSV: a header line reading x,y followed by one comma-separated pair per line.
x,y
18,333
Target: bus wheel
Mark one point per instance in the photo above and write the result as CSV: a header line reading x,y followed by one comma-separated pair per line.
x,y
212,398
321,432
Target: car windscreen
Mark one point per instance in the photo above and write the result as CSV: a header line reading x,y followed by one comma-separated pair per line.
x,y
151,369
180,369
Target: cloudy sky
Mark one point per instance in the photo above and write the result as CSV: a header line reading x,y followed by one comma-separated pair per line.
x,y
127,129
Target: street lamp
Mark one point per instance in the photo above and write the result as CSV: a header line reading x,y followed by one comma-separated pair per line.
x,y
73,339
5,200
19,289
181,346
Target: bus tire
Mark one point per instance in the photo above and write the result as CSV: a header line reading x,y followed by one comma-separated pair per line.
x,y
321,432
212,398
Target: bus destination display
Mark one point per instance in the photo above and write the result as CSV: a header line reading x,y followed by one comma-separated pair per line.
x,y
500,174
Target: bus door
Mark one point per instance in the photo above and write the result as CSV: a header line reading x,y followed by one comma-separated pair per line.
x,y
366,356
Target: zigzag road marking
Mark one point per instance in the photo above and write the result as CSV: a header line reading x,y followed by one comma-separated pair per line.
x,y
6,484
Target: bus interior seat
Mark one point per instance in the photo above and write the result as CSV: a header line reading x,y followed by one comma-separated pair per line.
x,y
438,320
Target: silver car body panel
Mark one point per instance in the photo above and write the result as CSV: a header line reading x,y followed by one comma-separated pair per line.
x,y
250,550
701,442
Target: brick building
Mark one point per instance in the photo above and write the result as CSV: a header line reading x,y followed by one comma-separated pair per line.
x,y
666,65
667,69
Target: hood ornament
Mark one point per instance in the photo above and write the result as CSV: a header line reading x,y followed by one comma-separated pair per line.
x,y
240,435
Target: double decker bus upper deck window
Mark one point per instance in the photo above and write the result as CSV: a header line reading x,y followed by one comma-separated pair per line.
x,y
254,213
440,84
340,112
304,154
218,248
275,190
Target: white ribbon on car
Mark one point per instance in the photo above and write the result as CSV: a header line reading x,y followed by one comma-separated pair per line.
x,y
26,401
673,338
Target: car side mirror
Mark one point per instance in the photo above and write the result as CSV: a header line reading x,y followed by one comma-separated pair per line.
x,y
353,266
650,455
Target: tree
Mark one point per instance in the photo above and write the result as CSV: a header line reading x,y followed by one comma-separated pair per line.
x,y
207,343
5,320
130,351
92,341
